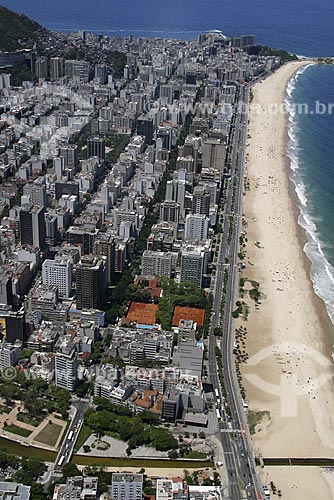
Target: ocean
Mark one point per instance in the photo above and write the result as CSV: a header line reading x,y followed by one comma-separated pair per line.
x,y
301,26
304,27
309,100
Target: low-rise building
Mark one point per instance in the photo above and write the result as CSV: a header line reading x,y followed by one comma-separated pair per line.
x,y
14,491
80,488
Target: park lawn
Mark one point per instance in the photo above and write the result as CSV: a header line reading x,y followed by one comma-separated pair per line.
x,y
84,434
49,434
197,455
15,429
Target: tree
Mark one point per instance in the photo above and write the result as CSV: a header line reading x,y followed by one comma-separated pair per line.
x,y
9,392
217,331
216,479
26,353
29,471
163,439
82,389
37,492
86,448
70,470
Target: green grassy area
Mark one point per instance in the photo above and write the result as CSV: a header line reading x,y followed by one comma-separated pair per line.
x,y
198,455
64,432
28,419
15,429
255,418
49,434
84,434
141,462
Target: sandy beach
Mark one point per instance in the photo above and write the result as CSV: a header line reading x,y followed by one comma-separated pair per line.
x,y
290,373
301,482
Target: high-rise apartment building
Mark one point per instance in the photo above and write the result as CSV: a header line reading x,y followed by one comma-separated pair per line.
x,y
56,68
91,282
196,228
125,486
214,152
175,191
201,201
66,368
41,67
156,263
101,73
70,154
193,265
58,273
105,245
9,355
32,226
77,70
52,235
96,147
145,128
170,211
36,191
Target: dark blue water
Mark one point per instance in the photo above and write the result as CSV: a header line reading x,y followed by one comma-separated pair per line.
x,y
311,150
301,26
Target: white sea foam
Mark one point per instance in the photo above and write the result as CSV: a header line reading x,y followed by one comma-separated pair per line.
x,y
322,273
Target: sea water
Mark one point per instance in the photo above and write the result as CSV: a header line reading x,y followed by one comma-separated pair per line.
x,y
310,105
301,26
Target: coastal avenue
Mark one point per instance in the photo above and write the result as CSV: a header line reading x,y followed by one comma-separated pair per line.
x,y
236,442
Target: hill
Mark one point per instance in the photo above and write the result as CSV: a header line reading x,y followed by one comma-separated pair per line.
x,y
17,30
263,50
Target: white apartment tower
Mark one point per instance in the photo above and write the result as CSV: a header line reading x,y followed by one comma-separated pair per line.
x,y
156,263
58,273
196,228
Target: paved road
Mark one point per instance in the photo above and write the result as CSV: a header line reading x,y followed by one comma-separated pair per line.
x,y
66,449
234,434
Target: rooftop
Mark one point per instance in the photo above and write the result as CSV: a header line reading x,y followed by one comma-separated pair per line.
x,y
188,313
142,313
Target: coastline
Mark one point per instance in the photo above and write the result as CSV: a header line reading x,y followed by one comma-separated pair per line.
x,y
290,311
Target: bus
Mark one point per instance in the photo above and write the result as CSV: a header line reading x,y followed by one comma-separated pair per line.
x,y
69,437
61,461
217,393
218,414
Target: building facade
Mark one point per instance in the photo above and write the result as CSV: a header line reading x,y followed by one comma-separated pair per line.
x,y
91,282
58,273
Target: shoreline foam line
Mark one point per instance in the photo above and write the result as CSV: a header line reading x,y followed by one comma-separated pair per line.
x,y
321,271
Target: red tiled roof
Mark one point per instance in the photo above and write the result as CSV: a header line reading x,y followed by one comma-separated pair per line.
x,y
188,313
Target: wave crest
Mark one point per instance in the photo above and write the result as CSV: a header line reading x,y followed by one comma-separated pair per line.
x,y
322,272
